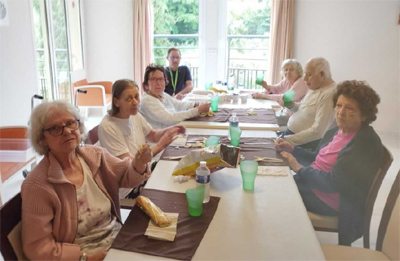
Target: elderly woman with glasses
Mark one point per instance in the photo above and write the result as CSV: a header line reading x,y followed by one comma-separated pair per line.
x,y
70,203
159,108
334,180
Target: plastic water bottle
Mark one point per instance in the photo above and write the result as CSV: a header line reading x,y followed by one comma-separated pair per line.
x,y
233,122
203,179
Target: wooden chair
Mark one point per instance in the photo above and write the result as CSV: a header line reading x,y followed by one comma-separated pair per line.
x,y
330,223
10,232
388,241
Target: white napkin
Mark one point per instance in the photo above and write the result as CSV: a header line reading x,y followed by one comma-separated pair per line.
x,y
273,170
163,233
180,140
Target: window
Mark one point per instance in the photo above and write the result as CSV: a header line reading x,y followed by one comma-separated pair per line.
x,y
58,50
248,40
176,24
233,39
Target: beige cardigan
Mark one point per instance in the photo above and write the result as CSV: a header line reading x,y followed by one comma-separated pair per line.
x,y
49,203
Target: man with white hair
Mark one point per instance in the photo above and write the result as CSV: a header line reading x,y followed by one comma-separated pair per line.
x,y
315,114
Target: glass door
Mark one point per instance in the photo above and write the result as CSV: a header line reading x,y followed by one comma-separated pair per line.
x,y
53,46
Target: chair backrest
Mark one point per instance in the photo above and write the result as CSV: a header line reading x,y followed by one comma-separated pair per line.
x,y
80,83
10,216
94,97
388,240
106,84
92,136
373,192
14,132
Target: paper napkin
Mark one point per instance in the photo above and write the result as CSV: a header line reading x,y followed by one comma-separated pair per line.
x,y
273,170
163,233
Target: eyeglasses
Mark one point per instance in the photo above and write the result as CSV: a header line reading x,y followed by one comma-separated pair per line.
x,y
58,130
175,57
161,79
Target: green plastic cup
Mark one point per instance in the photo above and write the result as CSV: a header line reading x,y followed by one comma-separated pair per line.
x,y
248,170
235,133
259,79
211,144
288,98
194,198
214,103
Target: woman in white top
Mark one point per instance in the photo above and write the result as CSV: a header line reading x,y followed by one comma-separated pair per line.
x,y
124,130
292,71
159,108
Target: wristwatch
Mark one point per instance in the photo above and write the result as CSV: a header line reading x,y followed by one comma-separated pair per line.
x,y
83,257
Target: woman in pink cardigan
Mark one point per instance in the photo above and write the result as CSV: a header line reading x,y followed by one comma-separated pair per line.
x,y
70,204
292,71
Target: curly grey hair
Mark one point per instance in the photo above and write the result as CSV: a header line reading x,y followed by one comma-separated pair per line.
x,y
297,66
39,118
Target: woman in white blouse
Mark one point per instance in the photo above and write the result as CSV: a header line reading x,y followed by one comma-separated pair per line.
x,y
160,109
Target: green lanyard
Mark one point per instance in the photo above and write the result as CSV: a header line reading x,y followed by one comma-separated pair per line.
x,y
174,80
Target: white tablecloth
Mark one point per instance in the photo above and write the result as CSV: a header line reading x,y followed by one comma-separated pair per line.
x,y
269,224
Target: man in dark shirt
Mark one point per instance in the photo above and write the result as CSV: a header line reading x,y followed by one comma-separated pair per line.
x,y
179,80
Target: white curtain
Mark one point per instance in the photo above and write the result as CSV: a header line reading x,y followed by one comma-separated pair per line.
x,y
282,17
142,37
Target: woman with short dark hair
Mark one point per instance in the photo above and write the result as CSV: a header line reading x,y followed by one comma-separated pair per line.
x,y
159,108
335,179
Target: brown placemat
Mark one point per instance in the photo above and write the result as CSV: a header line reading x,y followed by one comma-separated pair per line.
x,y
265,147
264,116
190,230
222,115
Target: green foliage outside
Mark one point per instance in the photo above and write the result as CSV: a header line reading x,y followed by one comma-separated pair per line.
x,y
175,17
248,17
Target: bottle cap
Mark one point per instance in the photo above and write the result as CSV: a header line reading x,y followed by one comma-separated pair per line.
x,y
203,163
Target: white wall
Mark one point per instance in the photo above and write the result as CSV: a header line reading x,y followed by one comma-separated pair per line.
x,y
18,78
108,36
361,40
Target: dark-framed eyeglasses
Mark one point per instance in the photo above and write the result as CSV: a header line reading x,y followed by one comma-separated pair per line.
x,y
58,130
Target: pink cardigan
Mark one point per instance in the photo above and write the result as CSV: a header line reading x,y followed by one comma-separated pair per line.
x,y
49,204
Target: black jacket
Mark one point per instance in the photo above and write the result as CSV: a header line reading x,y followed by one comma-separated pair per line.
x,y
351,176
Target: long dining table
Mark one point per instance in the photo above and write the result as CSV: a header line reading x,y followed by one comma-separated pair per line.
x,y
270,223
251,106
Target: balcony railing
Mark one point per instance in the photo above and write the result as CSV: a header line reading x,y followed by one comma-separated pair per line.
x,y
244,78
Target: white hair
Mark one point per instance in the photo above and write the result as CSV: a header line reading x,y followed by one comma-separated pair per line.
x,y
320,64
39,117
297,66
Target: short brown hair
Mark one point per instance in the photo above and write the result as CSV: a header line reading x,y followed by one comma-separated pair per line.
x,y
363,94
173,49
149,69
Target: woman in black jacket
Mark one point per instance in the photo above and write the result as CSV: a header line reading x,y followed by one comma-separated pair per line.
x,y
334,180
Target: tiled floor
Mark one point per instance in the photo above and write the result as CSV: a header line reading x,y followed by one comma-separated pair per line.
x,y
393,145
